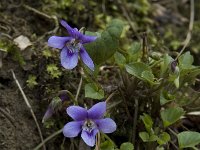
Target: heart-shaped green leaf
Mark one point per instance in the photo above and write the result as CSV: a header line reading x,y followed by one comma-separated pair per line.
x,y
127,146
188,139
136,69
171,115
93,91
106,44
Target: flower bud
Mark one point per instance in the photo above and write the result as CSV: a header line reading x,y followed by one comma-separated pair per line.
x,y
47,114
55,105
174,67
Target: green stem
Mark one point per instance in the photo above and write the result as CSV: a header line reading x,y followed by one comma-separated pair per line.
x,y
72,97
48,138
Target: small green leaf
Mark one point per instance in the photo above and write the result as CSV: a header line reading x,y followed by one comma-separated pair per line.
x,y
127,146
47,53
189,75
106,44
188,139
148,75
160,148
134,51
93,91
171,115
165,97
186,60
31,82
176,82
136,69
135,48
107,145
141,71
165,64
119,59
153,137
54,71
147,121
144,136
163,138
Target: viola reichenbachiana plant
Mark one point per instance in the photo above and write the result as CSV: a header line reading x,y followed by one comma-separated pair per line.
x,y
154,92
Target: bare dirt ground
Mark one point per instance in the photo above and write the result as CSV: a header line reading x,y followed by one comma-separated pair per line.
x,y
17,128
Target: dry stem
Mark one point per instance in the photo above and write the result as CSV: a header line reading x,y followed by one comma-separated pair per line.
x,y
189,34
29,106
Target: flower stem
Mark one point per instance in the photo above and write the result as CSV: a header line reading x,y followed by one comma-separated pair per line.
x,y
48,138
71,96
189,34
78,91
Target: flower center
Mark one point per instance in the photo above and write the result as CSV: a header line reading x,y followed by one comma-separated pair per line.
x,y
73,46
89,125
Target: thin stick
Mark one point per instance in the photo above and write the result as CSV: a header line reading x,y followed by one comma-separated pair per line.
x,y
37,11
44,16
125,103
135,121
78,91
48,138
189,34
110,96
173,132
173,145
29,106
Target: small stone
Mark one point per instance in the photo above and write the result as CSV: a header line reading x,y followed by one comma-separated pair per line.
x,y
22,42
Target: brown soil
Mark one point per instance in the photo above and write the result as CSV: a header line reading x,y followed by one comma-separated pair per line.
x,y
17,129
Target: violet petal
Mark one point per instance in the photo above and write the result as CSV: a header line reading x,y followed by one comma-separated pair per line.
x,y
68,60
72,31
97,111
72,129
87,39
106,125
86,58
89,137
77,113
58,42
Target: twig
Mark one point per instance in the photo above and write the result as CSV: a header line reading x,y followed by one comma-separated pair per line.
x,y
44,16
125,103
37,11
135,121
48,138
78,91
6,35
173,145
110,96
174,133
6,114
144,47
189,34
29,106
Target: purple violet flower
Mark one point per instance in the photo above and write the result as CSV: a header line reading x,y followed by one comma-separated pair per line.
x,y
90,122
72,46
